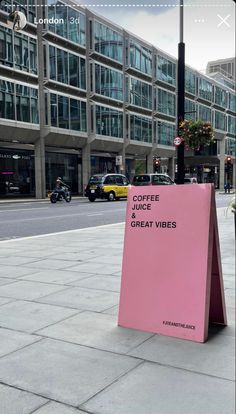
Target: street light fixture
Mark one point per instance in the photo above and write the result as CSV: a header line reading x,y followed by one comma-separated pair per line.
x,y
180,93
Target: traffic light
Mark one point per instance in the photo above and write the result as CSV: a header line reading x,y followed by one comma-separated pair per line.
x,y
229,165
156,164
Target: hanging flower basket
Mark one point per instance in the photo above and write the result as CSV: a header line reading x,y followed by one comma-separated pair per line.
x,y
196,134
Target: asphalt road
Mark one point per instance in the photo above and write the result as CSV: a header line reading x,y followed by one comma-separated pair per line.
x,y
41,217
34,218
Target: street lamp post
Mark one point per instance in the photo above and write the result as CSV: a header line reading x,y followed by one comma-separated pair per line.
x,y
180,93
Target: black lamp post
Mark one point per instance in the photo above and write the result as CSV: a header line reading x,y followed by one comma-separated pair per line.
x,y
180,93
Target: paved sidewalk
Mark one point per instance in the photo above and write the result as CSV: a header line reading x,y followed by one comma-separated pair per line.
x,y
61,351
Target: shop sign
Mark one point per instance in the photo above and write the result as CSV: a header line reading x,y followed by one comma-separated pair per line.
x,y
171,277
14,156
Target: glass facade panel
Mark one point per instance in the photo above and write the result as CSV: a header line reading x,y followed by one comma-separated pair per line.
x,y
7,100
166,133
231,124
166,70
166,102
140,128
190,109
230,146
190,81
18,50
108,82
24,98
205,89
26,6
108,42
204,113
67,68
140,58
220,121
72,25
220,97
232,102
109,122
139,93
68,113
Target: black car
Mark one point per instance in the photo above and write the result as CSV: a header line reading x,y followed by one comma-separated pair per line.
x,y
152,179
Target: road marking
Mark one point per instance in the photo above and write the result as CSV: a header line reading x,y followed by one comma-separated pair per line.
x,y
91,229
94,214
24,209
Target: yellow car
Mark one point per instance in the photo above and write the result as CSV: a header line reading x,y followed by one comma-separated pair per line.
x,y
107,186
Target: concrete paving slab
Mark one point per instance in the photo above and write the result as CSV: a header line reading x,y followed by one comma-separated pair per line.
x,y
67,373
11,341
27,290
15,271
60,277
230,301
13,401
215,357
56,408
16,261
6,281
48,264
228,268
96,268
83,299
112,311
96,330
29,317
117,260
3,301
74,256
154,389
108,283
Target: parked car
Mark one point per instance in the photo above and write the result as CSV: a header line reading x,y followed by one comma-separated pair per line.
x,y
107,186
189,180
152,179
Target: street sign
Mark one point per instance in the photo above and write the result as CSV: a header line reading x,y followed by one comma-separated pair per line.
x,y
168,287
119,160
177,141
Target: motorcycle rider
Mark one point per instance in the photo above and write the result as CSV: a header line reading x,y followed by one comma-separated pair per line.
x,y
60,187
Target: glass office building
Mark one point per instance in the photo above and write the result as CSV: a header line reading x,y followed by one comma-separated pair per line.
x,y
78,91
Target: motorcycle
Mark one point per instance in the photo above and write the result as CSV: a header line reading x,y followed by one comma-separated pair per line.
x,y
57,196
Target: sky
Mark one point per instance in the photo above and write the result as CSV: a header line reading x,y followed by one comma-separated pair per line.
x,y
209,26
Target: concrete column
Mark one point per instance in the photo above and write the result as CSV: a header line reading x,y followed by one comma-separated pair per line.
x,y
171,167
39,153
234,174
40,180
149,159
86,164
222,164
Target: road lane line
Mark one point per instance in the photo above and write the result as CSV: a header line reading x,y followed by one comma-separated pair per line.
x,y
24,209
61,232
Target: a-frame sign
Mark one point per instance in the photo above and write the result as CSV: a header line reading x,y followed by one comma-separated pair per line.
x,y
172,277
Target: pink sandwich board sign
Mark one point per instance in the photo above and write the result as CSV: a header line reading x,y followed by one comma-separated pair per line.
x,y
171,276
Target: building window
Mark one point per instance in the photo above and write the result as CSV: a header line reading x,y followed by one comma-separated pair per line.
x,y
139,93
231,124
230,146
108,82
190,110
7,100
165,102
166,70
73,26
220,121
68,113
67,68
109,122
205,90
26,6
140,128
204,113
232,102
166,133
190,82
220,97
140,58
18,50
108,42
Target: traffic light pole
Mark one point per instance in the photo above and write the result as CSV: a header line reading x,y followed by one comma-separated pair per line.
x,y
180,95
